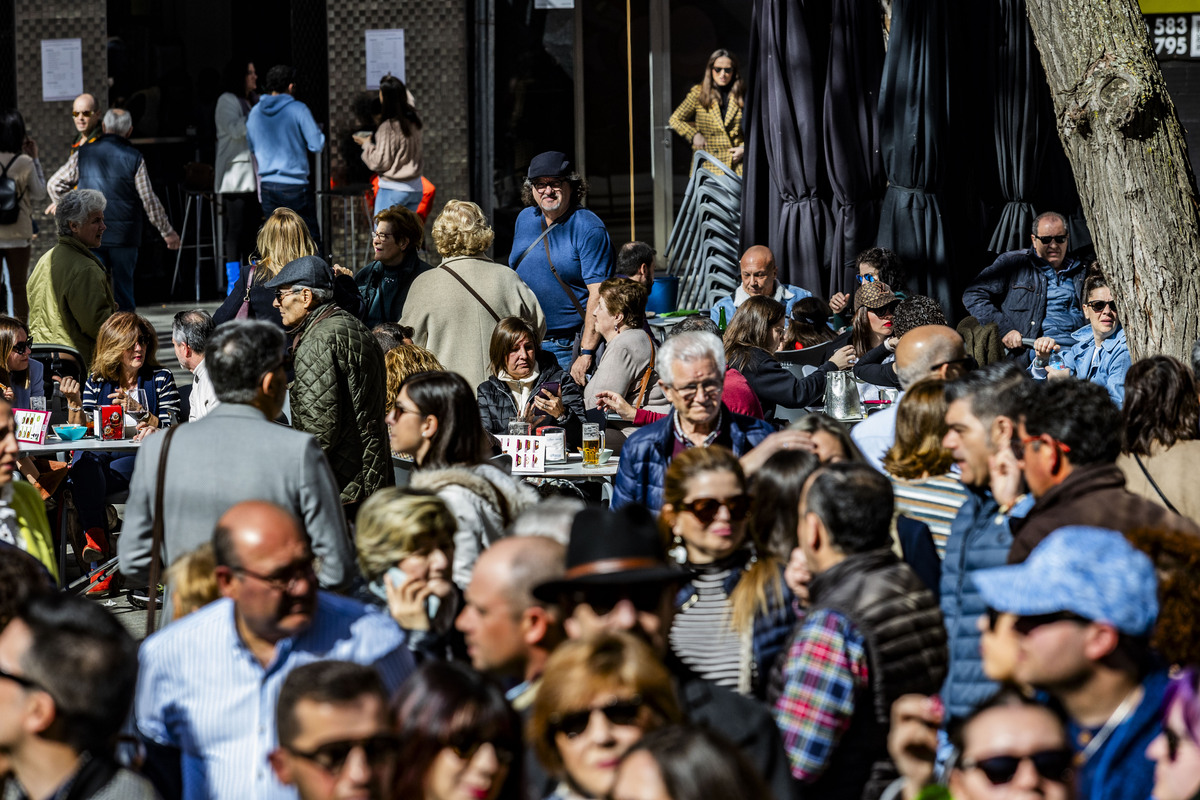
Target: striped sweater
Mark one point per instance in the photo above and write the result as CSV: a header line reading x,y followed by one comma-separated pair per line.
x,y
934,501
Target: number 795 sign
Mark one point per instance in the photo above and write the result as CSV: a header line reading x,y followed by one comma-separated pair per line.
x,y
1176,35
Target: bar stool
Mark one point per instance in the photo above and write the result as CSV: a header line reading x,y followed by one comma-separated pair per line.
x,y
200,194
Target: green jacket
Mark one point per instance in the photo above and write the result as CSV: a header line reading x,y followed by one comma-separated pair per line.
x,y
70,297
32,524
338,397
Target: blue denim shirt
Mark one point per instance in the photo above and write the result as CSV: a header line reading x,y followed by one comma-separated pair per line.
x,y
1109,370
1063,313
784,293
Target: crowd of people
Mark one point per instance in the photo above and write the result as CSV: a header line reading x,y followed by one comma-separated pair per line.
x,y
985,589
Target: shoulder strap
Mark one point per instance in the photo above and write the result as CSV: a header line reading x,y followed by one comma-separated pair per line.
x,y
566,289
4,172
156,540
470,289
646,375
533,245
1170,506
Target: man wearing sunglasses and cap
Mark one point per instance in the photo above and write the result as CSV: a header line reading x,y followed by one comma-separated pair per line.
x,y
1086,602
617,578
1033,292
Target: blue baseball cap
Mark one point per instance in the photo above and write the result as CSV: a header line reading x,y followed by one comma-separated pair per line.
x,y
1093,572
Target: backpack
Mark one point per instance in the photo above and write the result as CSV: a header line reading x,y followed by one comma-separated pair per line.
x,y
10,198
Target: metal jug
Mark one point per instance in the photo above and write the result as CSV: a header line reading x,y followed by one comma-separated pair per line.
x,y
841,396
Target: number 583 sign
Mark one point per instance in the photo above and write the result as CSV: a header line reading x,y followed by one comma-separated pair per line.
x,y
1175,35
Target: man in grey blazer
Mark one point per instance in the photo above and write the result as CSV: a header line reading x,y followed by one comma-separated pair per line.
x,y
236,453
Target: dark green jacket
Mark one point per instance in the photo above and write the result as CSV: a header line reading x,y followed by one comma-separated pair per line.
x,y
338,397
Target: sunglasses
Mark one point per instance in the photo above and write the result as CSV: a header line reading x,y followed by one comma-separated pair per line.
x,y
603,599
723,70
1099,305
21,348
1020,445
1173,742
78,114
1053,765
543,186
1059,239
332,756
22,681
1026,625
618,712
282,293
868,278
466,747
144,341
705,508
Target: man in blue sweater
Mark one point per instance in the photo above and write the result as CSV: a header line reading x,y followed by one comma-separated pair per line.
x,y
281,132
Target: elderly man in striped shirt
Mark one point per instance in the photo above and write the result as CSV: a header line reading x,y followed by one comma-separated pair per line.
x,y
208,683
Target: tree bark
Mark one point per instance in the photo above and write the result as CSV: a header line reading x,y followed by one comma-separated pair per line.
x,y
1127,149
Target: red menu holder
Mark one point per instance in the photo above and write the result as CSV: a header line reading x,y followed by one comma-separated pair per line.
x,y
110,423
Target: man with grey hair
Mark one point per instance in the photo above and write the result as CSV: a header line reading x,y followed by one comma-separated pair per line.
x,y
190,332
114,167
930,351
218,461
691,367
69,292
338,393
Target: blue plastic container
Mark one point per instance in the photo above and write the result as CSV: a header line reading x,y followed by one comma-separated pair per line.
x,y
233,273
664,294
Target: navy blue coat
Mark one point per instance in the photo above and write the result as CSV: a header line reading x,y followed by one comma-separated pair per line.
x,y
1012,292
647,452
980,538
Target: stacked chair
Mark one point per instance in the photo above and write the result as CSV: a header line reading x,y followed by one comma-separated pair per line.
x,y
703,250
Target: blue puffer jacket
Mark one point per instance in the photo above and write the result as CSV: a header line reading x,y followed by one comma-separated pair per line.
x,y
647,452
979,538
771,630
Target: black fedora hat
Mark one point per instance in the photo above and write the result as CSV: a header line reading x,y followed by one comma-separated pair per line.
x,y
549,165
612,548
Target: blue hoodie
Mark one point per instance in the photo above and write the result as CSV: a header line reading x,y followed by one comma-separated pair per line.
x,y
280,129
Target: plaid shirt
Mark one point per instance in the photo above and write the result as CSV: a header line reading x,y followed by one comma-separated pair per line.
x,y
825,670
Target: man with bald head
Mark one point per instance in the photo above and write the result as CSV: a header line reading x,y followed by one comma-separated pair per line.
x,y
930,351
86,116
758,278
208,682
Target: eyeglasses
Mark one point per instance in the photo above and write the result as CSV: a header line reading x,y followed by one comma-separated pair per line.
x,y
1098,306
705,508
686,393
1059,239
21,348
647,597
618,712
78,114
332,756
22,681
723,70
543,186
1053,765
868,278
1029,440
465,747
287,581
1026,625
282,293
1173,742
381,235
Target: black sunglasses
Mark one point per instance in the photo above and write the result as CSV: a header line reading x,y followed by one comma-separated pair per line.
x,y
332,756
22,681
723,70
603,599
1053,765
1025,625
1096,306
465,747
1059,239
705,508
21,348
1173,741
618,712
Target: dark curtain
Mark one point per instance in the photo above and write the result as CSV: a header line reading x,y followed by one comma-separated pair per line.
x,y
784,149
914,119
1024,126
852,134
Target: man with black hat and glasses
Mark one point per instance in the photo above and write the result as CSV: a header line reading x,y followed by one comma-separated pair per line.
x,y
563,252
617,578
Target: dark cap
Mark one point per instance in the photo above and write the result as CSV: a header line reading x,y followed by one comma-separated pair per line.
x,y
306,271
549,165
874,295
612,548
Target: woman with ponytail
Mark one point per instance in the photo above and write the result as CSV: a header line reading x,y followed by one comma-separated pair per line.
x,y
735,614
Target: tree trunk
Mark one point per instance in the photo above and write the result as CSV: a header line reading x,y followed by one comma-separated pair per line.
x,y
1127,149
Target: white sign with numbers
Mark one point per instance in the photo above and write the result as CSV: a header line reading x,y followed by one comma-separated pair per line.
x,y
1174,35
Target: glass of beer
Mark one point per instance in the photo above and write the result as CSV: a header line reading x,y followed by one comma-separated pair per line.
x,y
592,442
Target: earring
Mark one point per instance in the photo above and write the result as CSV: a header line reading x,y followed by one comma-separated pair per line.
x,y
678,552
753,553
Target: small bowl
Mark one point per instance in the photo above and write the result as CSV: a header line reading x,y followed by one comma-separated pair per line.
x,y
70,433
605,455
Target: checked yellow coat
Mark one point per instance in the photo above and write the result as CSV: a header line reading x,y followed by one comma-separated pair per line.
x,y
691,118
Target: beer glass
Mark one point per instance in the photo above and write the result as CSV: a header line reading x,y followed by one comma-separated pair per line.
x,y
592,442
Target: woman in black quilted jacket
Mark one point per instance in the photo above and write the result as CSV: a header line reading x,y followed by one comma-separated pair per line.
x,y
527,383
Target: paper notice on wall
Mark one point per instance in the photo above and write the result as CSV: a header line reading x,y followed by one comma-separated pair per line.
x,y
62,69
385,55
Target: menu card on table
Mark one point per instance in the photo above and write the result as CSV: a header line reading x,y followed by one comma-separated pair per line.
x,y
528,453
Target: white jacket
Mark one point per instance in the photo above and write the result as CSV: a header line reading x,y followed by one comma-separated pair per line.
x,y
234,170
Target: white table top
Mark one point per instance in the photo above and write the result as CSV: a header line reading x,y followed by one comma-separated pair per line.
x,y
56,445
574,468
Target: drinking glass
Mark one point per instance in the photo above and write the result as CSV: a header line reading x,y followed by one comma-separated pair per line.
x,y
518,426
137,404
592,443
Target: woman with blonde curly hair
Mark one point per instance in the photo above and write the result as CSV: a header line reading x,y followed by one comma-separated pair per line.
x,y
126,373
454,309
405,543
